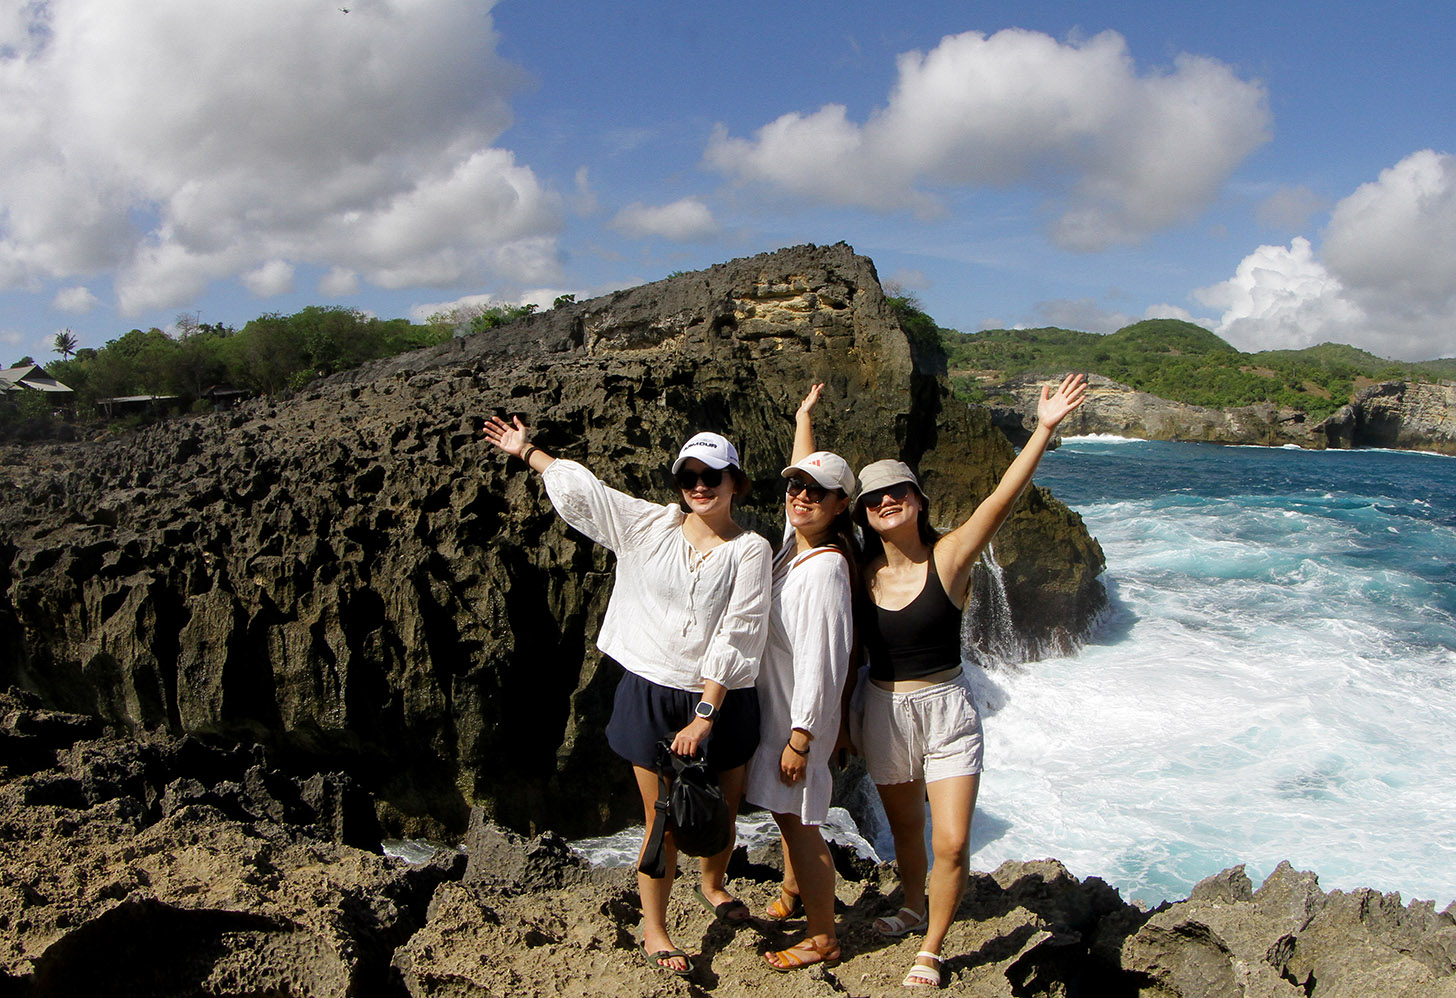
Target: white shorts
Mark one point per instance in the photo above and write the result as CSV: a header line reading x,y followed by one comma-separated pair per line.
x,y
929,734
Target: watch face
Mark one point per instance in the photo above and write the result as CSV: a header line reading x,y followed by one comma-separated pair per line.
x,y
705,710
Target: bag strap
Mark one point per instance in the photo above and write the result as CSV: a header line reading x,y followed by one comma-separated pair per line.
x,y
823,549
654,863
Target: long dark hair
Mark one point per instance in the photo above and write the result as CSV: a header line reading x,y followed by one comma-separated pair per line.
x,y
843,538
872,546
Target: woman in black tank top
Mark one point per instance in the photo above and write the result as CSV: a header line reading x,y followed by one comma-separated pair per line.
x,y
921,733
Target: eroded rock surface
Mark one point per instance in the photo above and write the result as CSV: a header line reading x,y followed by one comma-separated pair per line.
x,y
353,577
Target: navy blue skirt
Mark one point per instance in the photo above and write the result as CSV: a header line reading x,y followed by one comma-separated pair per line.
x,y
643,713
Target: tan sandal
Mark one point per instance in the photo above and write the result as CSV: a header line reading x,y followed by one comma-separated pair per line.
x,y
778,911
804,954
921,976
903,921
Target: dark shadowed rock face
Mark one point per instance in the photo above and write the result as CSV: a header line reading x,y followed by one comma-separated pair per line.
x,y
354,578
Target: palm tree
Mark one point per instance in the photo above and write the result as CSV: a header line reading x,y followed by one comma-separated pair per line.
x,y
65,343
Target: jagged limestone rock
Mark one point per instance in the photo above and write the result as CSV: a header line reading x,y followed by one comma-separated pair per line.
x,y
353,576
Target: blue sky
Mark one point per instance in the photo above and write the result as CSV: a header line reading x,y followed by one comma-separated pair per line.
x,y
1283,174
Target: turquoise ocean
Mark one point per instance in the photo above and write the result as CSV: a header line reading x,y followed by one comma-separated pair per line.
x,y
1275,679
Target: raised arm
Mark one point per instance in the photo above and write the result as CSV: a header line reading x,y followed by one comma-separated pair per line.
x,y
956,552
804,425
512,440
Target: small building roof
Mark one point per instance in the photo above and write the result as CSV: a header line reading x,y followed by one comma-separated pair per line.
x,y
34,377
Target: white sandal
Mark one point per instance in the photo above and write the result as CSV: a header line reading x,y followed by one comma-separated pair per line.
x,y
921,976
901,922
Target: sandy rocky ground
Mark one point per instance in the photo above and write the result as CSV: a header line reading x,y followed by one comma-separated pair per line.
x,y
169,867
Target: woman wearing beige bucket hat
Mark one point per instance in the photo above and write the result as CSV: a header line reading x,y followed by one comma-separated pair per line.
x,y
920,733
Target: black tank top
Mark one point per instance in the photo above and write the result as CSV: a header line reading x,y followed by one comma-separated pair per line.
x,y
919,639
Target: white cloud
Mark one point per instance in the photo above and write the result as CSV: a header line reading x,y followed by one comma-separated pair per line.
x,y
1382,280
1118,155
906,279
1082,314
339,282
78,300
1163,310
273,278
1393,241
180,149
585,202
461,309
1280,298
683,220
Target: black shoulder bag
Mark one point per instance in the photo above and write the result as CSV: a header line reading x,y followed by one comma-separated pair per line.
x,y
692,805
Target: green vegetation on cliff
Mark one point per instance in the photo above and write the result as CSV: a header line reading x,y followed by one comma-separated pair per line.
x,y
1178,361
269,355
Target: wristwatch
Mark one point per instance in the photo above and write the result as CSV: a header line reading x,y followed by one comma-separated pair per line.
x,y
706,711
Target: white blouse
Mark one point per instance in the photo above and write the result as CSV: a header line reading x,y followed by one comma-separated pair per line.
x,y
677,616
805,664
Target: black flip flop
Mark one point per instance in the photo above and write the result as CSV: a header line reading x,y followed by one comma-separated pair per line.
x,y
720,911
667,954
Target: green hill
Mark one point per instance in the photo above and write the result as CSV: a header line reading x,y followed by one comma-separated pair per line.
x,y
1179,361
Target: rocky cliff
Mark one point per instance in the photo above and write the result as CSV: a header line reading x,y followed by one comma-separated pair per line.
x,y
1393,414
354,579
164,868
1397,414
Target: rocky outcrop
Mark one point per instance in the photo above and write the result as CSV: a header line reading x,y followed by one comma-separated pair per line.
x,y
354,578
1118,410
1289,939
1399,415
152,869
1394,414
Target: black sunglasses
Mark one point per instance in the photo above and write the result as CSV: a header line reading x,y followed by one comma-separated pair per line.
x,y
897,492
812,493
688,480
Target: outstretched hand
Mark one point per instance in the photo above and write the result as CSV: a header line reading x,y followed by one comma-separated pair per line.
x,y
511,439
810,400
1054,406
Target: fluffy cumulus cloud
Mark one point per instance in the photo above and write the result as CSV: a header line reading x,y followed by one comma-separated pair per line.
x,y
78,300
273,278
339,282
1118,153
683,220
176,147
1381,281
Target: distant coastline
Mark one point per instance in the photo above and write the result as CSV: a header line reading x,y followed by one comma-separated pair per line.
x,y
1403,416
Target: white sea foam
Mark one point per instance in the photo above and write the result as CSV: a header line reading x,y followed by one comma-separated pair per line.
x,y
1102,438
1275,679
754,830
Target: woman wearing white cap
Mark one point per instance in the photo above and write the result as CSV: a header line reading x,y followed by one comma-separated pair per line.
x,y
811,632
687,620
921,734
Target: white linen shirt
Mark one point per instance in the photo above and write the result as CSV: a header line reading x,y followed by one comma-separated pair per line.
x,y
811,632
677,616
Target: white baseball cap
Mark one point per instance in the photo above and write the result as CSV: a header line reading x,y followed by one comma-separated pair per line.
x,y
828,469
710,448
